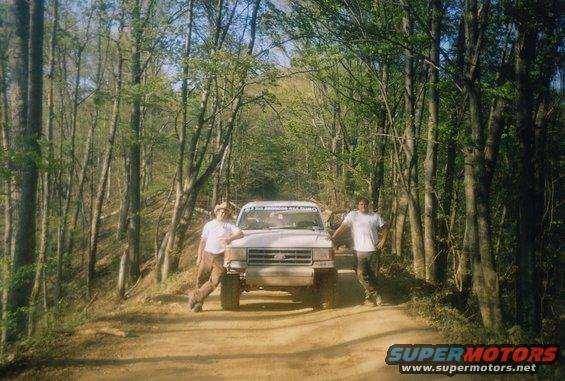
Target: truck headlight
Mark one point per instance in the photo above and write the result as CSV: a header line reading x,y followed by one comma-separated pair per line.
x,y
236,254
323,254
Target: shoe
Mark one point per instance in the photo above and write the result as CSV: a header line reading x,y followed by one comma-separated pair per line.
x,y
197,308
374,300
378,300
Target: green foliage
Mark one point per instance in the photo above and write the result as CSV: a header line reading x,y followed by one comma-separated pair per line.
x,y
454,327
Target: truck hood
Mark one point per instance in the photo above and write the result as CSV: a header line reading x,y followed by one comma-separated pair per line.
x,y
283,238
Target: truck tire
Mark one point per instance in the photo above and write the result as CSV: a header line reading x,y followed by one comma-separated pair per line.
x,y
328,290
230,292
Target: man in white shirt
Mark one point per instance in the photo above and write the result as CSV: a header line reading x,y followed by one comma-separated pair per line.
x,y
215,236
364,227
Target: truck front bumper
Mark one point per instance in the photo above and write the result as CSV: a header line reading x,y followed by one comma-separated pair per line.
x,y
279,276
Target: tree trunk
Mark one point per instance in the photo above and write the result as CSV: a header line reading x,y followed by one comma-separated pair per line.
x,y
501,230
217,176
134,229
469,251
411,170
496,126
227,190
163,260
377,173
444,246
400,206
124,208
430,163
548,49
400,218
527,290
108,185
490,305
8,229
445,242
184,221
102,182
218,180
123,274
486,284
46,178
27,131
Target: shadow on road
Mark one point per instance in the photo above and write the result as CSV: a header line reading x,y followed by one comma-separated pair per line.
x,y
273,306
336,350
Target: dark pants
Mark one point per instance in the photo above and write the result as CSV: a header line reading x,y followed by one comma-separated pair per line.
x,y
210,272
367,268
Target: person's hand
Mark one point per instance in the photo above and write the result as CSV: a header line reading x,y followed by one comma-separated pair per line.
x,y
227,240
381,244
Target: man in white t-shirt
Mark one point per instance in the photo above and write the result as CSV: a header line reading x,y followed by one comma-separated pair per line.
x,y
364,227
215,236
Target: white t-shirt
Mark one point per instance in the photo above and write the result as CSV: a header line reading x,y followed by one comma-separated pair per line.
x,y
364,229
215,233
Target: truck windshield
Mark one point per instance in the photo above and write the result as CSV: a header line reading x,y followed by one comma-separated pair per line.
x,y
280,217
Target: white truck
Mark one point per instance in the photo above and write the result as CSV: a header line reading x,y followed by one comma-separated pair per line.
x,y
285,248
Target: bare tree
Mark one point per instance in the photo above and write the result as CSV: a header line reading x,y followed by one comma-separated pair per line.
x,y
104,171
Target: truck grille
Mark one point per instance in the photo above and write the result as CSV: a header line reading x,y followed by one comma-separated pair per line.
x,y
261,257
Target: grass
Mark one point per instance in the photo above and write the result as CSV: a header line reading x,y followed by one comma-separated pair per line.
x,y
443,310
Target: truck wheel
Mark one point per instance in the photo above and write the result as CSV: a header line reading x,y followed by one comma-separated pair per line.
x,y
230,292
328,290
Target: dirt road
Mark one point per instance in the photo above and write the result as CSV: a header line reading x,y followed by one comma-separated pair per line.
x,y
269,338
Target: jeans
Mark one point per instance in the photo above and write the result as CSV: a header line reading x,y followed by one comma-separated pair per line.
x,y
366,262
210,272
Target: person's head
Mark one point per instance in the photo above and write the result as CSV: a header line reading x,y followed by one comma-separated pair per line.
x,y
222,211
363,204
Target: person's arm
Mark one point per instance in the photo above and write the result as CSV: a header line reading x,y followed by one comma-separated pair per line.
x,y
343,227
235,235
382,241
201,247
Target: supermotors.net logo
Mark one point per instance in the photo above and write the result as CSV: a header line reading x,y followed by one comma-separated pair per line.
x,y
470,359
